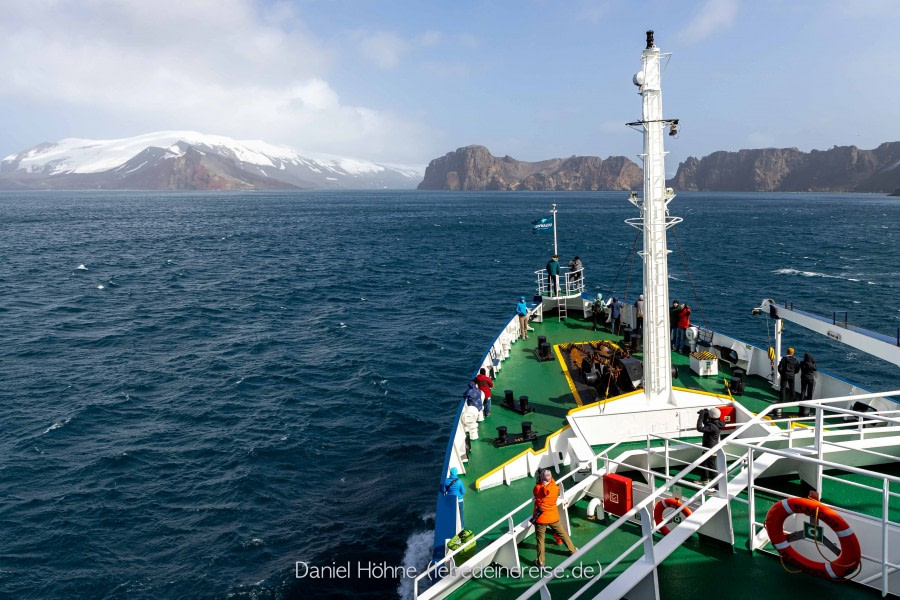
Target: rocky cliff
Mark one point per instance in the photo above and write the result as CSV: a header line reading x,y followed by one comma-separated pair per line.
x,y
475,168
841,169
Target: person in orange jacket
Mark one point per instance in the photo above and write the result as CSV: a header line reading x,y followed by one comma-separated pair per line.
x,y
546,514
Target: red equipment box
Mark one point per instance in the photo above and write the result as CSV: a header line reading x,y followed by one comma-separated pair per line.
x,y
617,494
728,416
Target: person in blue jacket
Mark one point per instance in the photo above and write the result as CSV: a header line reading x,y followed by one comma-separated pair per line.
x,y
553,274
454,487
474,396
522,312
615,315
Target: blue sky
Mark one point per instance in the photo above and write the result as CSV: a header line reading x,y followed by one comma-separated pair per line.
x,y
404,82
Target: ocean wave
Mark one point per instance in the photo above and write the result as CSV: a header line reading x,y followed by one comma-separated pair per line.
x,y
805,273
57,425
415,560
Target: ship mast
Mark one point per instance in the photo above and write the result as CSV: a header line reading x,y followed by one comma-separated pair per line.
x,y
654,221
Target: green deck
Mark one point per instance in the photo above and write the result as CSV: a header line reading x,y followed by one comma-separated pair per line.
x,y
734,573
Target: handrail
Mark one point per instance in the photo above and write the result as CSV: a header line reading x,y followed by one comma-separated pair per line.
x,y
507,516
732,439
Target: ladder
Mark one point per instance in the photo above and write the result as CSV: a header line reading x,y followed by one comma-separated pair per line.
x,y
561,305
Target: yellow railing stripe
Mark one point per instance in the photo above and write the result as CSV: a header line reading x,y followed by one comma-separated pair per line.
x,y
521,454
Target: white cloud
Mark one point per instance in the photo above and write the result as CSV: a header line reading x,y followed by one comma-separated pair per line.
x,y
593,11
430,38
224,67
467,40
712,16
382,48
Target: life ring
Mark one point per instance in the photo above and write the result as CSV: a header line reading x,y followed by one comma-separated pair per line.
x,y
668,503
845,564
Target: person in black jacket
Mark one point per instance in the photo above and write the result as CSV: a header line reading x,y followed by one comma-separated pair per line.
x,y
807,381
787,368
709,424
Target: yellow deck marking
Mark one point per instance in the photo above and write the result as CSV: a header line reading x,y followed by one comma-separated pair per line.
x,y
569,380
521,454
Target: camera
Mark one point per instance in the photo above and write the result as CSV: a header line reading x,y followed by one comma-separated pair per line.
x,y
704,413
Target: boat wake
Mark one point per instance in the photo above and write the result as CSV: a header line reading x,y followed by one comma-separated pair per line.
x,y
417,556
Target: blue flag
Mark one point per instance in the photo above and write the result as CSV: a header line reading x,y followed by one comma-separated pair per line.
x,y
541,225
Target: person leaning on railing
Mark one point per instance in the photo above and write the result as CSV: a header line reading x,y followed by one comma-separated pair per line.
x,y
522,312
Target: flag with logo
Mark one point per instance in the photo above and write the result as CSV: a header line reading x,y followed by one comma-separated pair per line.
x,y
542,225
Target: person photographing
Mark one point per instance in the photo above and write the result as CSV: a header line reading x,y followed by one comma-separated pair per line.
x,y
710,425
546,514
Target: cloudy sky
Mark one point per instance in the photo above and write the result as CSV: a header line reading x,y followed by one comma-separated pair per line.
x,y
404,82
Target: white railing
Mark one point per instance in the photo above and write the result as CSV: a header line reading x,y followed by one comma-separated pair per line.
x,y
752,447
435,568
571,283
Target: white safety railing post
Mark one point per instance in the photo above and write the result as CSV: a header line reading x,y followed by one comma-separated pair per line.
x,y
820,448
885,497
751,501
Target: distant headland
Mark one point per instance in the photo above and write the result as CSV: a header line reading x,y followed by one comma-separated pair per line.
x,y
840,169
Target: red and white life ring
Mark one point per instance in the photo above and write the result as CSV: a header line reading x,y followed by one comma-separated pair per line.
x,y
845,564
670,503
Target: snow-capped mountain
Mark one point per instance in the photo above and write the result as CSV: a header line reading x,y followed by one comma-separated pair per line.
x,y
190,160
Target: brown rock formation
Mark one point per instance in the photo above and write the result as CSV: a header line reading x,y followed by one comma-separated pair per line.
x,y
841,169
475,168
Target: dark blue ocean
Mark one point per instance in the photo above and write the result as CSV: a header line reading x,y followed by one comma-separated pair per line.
x,y
198,390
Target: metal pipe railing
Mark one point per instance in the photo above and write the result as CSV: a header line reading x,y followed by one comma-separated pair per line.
x,y
734,439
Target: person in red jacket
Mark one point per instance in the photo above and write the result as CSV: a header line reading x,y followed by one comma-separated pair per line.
x,y
546,514
485,384
684,321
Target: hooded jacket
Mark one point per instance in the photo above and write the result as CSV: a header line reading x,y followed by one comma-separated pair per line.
x,y
484,384
788,366
711,430
684,318
545,497
521,308
453,486
808,367
473,396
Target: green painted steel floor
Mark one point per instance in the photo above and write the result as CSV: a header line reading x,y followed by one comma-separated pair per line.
x,y
696,567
